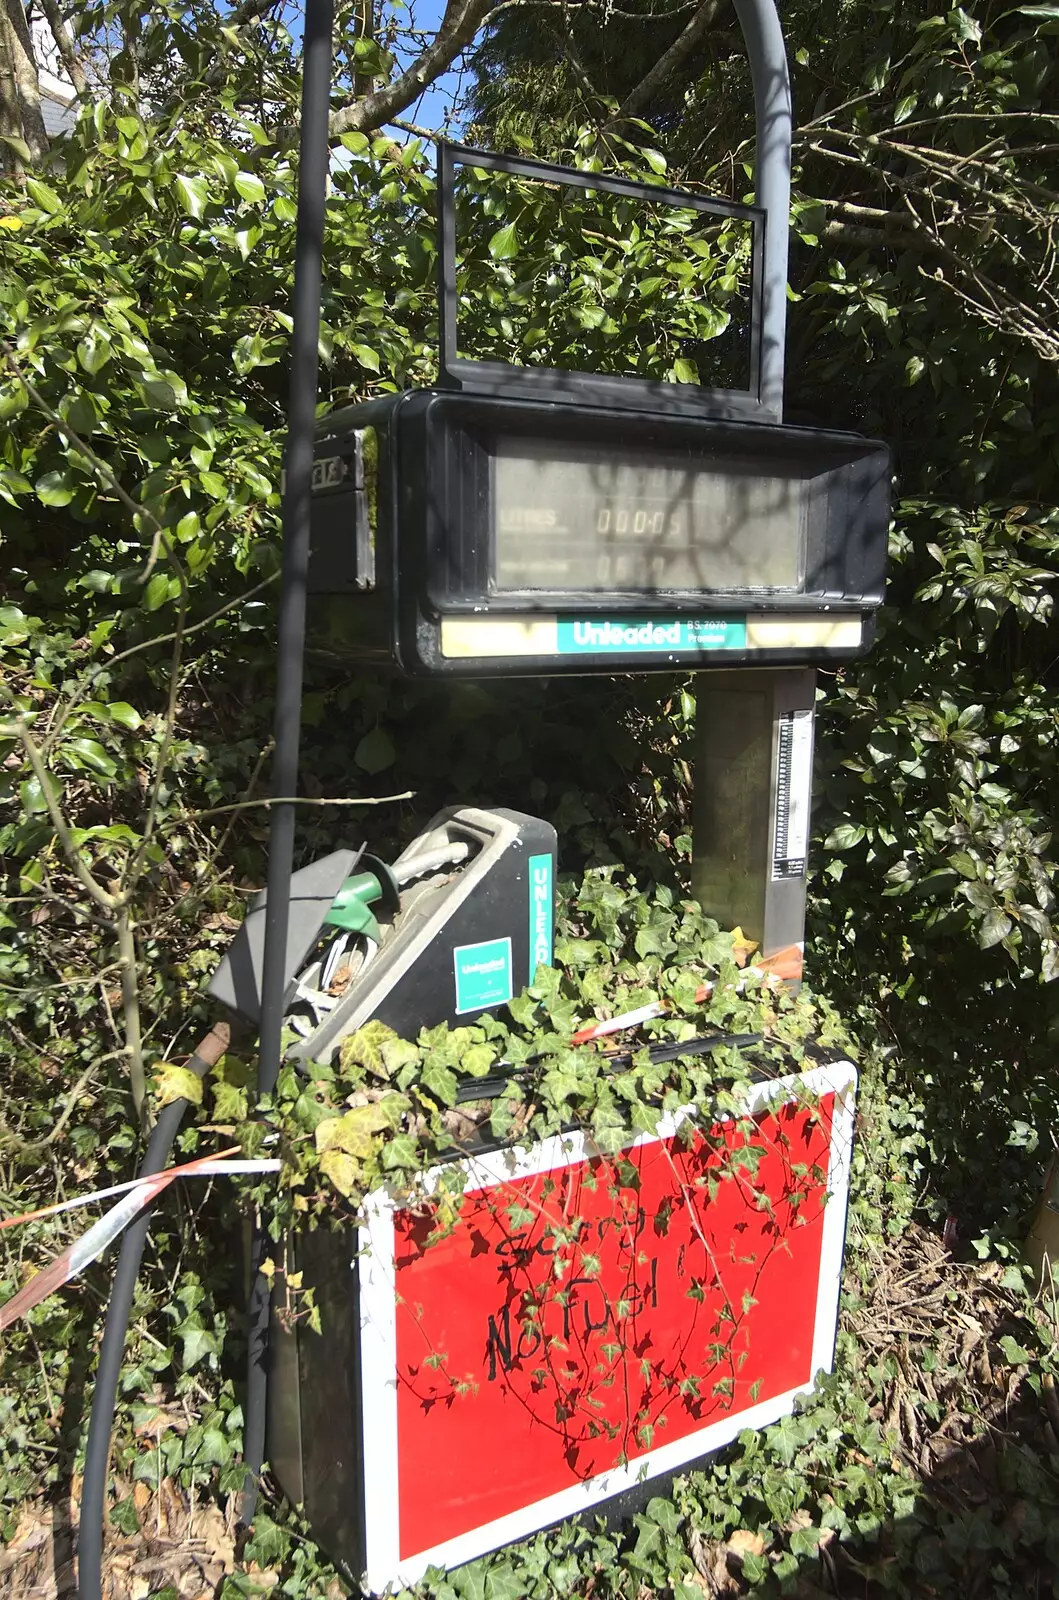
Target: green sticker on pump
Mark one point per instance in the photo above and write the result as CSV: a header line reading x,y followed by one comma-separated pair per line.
x,y
483,975
619,635
541,913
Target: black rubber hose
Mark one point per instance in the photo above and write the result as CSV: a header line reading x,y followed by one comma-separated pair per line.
x,y
314,157
112,1350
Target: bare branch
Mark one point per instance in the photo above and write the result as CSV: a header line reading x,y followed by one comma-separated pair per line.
x,y
89,454
130,1007
26,1149
107,902
77,695
289,800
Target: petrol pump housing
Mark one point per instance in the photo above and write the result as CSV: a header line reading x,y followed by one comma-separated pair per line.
x,y
534,522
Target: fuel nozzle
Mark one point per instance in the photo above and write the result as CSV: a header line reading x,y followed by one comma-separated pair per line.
x,y
351,907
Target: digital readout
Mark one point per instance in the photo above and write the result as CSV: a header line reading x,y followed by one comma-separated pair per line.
x,y
577,518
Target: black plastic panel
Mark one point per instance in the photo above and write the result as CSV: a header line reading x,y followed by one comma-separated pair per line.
x,y
436,551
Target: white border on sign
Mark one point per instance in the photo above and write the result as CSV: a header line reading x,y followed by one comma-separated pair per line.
x,y
378,1335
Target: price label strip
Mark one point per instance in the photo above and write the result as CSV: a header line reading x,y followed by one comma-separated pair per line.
x,y
794,776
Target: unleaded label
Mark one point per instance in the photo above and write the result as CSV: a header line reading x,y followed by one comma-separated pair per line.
x,y
620,635
541,913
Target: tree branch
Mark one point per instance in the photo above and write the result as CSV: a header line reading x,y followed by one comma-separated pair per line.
x,y
670,62
27,81
10,113
106,902
289,800
459,25
64,43
130,1008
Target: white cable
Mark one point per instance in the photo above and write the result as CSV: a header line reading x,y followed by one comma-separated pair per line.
x,y
417,866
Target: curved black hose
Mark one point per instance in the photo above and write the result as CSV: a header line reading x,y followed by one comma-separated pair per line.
x,y
112,1350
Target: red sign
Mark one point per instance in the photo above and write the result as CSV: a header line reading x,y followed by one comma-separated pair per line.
x,y
579,1321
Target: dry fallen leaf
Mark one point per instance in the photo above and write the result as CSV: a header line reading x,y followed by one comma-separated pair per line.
x,y
742,1542
711,1561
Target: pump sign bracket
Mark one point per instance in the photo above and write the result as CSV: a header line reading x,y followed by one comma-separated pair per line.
x,y
528,520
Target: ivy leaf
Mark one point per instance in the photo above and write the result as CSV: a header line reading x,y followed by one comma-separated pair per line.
x,y
401,1151
477,1060
123,1517
340,1170
196,1343
665,1513
365,1048
230,1103
440,1081
644,1117
685,371
805,1541
352,1132
472,1581
399,1053
176,1083
504,1583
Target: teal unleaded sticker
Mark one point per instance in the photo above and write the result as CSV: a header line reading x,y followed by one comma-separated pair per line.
x,y
619,635
483,975
541,913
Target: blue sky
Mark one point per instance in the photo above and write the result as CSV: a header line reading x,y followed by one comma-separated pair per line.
x,y
430,110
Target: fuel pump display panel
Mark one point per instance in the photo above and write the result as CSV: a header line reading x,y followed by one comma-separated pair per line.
x,y
522,537
578,518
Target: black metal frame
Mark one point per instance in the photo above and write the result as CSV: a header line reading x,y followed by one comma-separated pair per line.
x,y
499,378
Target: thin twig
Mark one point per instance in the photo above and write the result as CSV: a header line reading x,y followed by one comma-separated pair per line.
x,y
107,902
77,695
288,800
98,464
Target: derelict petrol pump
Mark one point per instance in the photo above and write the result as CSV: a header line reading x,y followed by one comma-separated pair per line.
x,y
528,521
534,522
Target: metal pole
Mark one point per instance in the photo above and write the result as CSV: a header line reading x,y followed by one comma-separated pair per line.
x,y
772,180
301,417
312,196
